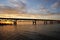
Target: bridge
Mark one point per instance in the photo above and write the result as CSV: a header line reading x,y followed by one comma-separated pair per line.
x,y
34,17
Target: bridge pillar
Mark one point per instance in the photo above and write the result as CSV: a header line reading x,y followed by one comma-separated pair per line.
x,y
45,22
15,22
34,22
58,22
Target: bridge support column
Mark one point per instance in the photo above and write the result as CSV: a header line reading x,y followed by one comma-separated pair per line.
x,y
45,22
34,22
15,22
58,22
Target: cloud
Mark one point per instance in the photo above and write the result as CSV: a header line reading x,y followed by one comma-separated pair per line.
x,y
50,0
12,0
17,4
43,10
7,9
40,10
46,0
24,1
55,5
2,5
31,10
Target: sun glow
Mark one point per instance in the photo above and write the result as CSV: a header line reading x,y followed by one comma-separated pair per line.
x,y
6,22
9,22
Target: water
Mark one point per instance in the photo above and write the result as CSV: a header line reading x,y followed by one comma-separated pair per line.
x,y
30,32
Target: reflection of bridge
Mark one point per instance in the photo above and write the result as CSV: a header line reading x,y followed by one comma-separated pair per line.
x,y
33,17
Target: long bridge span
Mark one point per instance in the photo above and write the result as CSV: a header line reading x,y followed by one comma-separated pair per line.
x,y
33,17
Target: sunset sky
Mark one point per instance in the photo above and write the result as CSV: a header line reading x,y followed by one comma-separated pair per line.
x,y
33,6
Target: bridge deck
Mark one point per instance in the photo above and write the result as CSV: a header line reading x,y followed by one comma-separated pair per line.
x,y
30,16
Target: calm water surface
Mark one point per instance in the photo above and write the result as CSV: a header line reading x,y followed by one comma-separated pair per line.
x,y
30,32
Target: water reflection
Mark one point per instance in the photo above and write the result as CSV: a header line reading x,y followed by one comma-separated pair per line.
x,y
30,32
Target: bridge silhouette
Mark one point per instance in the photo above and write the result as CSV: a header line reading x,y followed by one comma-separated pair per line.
x,y
34,17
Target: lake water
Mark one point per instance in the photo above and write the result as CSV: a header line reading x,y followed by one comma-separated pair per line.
x,y
30,32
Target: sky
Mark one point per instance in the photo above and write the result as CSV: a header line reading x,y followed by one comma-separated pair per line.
x,y
33,6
